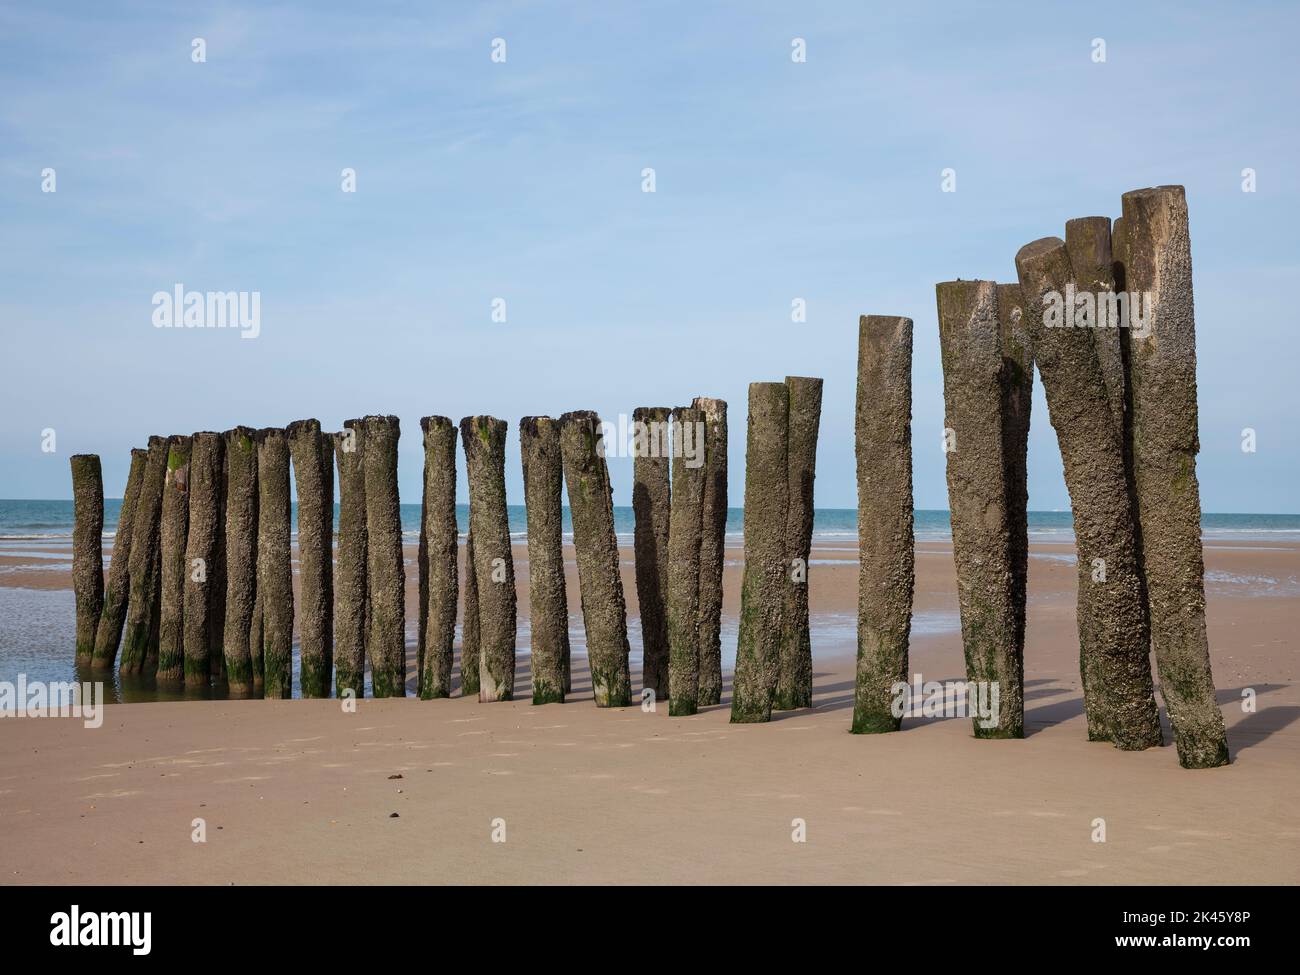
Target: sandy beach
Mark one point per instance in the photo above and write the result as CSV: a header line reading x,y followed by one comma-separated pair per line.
x,y
303,792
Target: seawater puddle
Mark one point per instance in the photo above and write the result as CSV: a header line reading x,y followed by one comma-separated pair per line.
x,y
37,630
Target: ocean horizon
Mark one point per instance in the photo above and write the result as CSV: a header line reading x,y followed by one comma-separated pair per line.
x,y
33,520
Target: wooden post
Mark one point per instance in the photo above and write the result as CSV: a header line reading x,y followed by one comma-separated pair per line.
x,y
386,573
175,529
87,551
591,507
886,555
351,589
484,442
977,497
314,482
441,540
766,577
713,545
689,476
137,642
1162,372
548,606
108,634
241,558
274,568
795,679
650,507
202,548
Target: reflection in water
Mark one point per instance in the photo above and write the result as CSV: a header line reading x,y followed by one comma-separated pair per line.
x,y
37,629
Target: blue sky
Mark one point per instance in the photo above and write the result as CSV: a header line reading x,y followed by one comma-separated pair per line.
x,y
521,180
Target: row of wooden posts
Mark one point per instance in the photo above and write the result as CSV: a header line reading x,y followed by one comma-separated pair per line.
x,y
1122,402
200,585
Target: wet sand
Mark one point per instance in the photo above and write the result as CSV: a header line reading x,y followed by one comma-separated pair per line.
x,y
301,791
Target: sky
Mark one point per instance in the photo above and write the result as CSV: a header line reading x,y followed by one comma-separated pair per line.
x,y
521,179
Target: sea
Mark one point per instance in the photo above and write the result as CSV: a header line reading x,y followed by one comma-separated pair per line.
x,y
36,625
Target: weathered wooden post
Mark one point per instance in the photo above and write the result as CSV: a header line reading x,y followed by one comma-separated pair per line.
x,y
469,628
351,589
87,551
108,634
766,575
241,557
1162,373
794,681
650,507
202,546
689,476
971,349
274,568
145,544
591,508
484,442
174,530
441,541
217,573
1017,397
386,573
314,482
539,441
1113,637
713,545
886,556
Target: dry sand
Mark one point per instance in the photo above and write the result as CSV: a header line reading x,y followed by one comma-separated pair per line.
x,y
302,792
